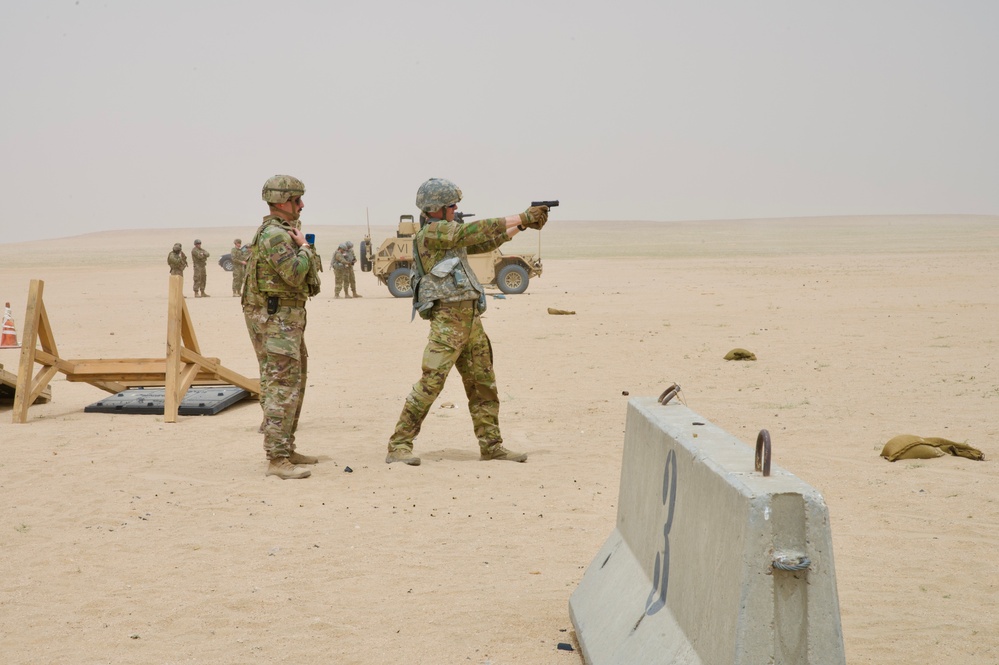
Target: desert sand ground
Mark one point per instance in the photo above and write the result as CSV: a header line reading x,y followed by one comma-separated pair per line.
x,y
124,539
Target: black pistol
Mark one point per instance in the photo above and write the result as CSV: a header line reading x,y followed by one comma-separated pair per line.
x,y
550,204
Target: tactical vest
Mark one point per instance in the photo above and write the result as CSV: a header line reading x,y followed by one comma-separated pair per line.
x,y
177,262
450,280
262,281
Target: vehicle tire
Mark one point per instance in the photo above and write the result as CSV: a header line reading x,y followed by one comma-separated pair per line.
x,y
226,262
398,283
365,264
512,279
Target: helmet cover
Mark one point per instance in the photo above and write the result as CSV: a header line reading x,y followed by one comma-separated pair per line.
x,y
437,193
282,188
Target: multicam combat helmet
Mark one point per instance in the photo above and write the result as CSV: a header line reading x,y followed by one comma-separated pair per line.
x,y
437,193
282,188
177,247
350,245
197,242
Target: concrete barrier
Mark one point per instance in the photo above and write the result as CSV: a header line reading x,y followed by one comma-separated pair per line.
x,y
711,563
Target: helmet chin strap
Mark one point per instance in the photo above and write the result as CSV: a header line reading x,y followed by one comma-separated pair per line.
x,y
289,216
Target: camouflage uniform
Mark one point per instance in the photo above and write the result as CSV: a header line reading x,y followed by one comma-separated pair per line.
x,y
200,258
177,260
276,268
454,302
340,264
348,272
238,256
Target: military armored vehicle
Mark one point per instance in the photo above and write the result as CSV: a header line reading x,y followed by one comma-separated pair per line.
x,y
393,259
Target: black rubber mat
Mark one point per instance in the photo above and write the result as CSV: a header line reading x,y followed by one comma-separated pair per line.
x,y
199,401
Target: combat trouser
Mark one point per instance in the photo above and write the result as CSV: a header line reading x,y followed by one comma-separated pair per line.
x,y
200,278
350,285
279,342
457,339
339,283
237,279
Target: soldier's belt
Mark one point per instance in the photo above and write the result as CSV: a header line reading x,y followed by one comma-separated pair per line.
x,y
457,303
288,302
285,302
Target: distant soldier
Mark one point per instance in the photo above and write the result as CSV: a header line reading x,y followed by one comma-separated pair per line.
x,y
348,271
177,260
200,258
340,263
238,256
446,291
282,273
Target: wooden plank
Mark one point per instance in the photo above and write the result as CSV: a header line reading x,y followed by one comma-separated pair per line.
x,y
133,378
45,329
83,368
231,377
40,384
186,379
9,379
46,358
187,327
109,386
29,341
175,314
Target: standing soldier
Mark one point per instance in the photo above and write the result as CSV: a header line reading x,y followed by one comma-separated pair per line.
x,y
238,256
200,258
446,291
177,260
348,271
282,273
340,263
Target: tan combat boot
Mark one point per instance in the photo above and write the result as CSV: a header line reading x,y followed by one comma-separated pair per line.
x,y
404,455
498,452
299,458
205,295
285,470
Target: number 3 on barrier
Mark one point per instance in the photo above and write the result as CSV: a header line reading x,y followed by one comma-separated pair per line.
x,y
660,573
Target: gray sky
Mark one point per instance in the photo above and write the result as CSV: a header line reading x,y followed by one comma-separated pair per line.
x,y
122,114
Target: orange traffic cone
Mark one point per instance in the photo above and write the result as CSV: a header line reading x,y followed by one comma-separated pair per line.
x,y
9,339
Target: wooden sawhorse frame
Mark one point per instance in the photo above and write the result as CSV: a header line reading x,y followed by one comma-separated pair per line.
x,y
182,367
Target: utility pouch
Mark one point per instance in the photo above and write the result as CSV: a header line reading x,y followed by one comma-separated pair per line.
x,y
272,304
445,267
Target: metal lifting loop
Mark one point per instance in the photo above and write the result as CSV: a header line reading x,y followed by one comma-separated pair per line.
x,y
763,452
669,394
791,563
